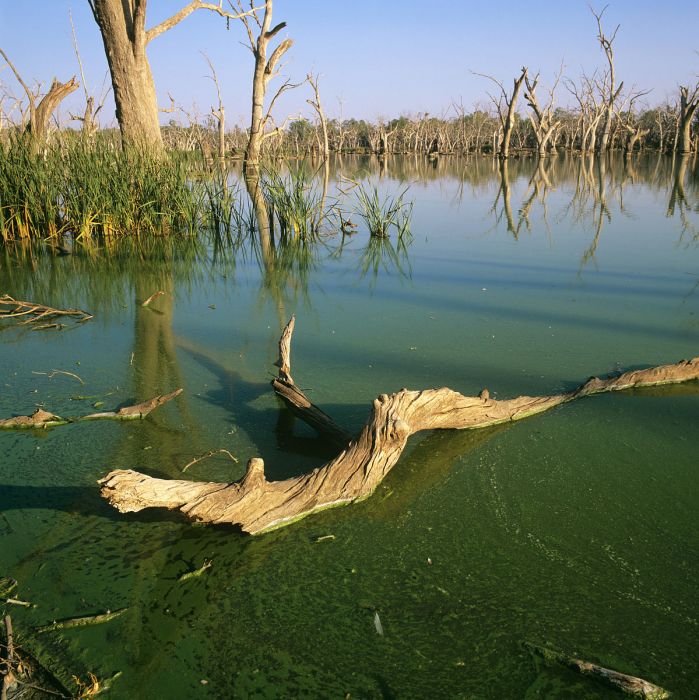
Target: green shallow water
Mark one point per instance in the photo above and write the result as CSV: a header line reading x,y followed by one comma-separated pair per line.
x,y
576,528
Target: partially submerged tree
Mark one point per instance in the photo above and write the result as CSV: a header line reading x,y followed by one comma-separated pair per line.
x,y
313,82
506,106
122,24
542,117
41,109
688,107
219,112
265,69
608,89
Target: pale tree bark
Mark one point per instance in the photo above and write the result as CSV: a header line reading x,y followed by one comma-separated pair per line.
x,y
506,106
265,69
318,107
122,24
608,89
258,505
688,107
40,112
219,113
542,119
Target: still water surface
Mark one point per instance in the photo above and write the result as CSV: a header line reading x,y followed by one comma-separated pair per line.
x,y
577,528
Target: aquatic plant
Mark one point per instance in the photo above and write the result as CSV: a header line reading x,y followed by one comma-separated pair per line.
x,y
381,214
92,188
294,201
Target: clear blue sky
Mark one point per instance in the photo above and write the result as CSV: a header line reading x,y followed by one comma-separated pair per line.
x,y
380,58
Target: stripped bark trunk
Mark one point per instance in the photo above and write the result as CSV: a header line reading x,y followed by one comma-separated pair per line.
x,y
688,107
258,505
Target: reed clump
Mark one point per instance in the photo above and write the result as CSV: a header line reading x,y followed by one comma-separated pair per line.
x,y
295,202
380,215
85,188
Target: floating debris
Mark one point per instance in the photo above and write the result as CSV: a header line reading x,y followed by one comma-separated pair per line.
x,y
197,572
377,624
81,621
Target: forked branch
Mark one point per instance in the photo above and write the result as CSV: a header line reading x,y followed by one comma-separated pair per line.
x,y
257,505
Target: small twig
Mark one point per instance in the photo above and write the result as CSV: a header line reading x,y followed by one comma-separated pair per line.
x,y
211,453
17,601
54,372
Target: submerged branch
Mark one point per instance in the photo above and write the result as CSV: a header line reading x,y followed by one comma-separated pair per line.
x,y
631,685
46,419
258,505
14,308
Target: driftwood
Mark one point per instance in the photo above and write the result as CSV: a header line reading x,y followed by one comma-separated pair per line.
x,y
81,621
258,505
32,312
631,685
46,419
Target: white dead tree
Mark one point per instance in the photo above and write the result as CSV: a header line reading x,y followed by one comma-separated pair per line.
x,y
41,108
607,87
688,107
218,113
315,103
265,70
542,117
506,106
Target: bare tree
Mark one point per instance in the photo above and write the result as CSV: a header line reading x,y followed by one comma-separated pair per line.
x,y
313,82
688,106
506,106
265,70
40,110
608,89
122,24
218,113
542,118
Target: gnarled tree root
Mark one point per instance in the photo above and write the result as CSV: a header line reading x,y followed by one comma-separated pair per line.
x,y
258,505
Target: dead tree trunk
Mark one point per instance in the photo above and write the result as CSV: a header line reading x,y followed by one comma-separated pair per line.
x,y
219,113
506,116
542,121
258,505
40,114
313,82
125,37
688,107
608,88
265,70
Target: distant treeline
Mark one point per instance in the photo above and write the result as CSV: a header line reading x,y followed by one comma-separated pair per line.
x,y
656,129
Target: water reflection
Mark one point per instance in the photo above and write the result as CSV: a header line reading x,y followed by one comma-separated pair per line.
x,y
589,193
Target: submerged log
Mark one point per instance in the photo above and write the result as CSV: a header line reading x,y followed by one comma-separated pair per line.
x,y
258,505
631,685
46,419
32,312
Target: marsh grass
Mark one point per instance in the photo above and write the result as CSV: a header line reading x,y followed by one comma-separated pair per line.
x,y
380,215
85,189
295,202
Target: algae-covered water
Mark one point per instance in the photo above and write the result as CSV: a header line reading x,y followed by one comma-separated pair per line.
x,y
575,529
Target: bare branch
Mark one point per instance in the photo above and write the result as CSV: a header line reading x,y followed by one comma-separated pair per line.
x,y
188,9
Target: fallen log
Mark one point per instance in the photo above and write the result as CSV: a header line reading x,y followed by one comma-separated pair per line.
x,y
258,505
46,419
33,312
631,685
